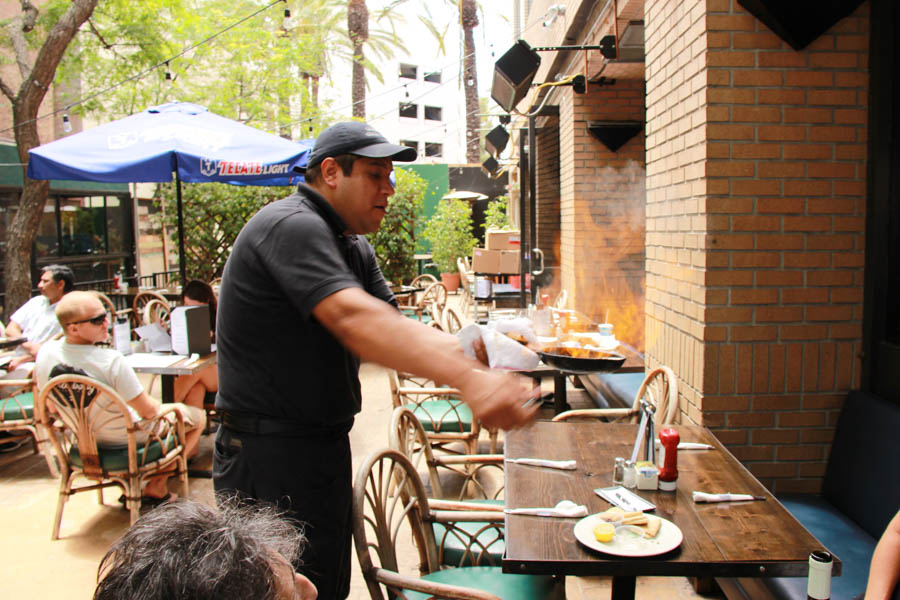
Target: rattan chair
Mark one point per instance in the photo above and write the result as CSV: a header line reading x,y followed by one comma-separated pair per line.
x,y
452,321
435,293
660,388
74,407
140,301
390,505
156,311
21,419
446,419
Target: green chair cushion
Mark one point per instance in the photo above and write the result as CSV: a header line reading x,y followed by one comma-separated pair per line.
x,y
14,406
426,318
454,545
443,416
116,459
509,586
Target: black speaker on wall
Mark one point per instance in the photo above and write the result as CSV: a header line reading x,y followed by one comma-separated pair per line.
x,y
490,166
495,141
513,74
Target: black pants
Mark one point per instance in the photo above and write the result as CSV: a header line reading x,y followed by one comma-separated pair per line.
x,y
311,479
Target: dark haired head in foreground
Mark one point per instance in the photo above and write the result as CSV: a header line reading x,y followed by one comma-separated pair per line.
x,y
184,550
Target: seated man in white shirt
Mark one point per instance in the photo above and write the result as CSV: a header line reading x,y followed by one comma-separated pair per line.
x,y
85,322
36,319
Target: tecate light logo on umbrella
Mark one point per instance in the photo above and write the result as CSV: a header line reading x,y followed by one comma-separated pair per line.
x,y
221,168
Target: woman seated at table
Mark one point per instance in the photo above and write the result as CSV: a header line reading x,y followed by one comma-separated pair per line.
x,y
192,389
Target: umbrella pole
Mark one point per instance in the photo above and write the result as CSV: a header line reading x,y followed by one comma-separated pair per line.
x,y
181,267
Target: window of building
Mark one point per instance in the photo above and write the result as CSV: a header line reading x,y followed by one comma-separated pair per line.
x,y
408,109
408,71
433,77
410,144
433,113
432,149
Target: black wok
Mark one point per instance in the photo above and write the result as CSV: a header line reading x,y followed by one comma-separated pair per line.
x,y
593,362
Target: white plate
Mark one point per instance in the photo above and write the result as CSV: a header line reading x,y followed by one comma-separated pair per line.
x,y
625,543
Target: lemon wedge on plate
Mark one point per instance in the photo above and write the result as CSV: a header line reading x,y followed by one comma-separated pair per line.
x,y
604,531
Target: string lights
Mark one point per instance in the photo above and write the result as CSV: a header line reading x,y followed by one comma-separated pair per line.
x,y
67,125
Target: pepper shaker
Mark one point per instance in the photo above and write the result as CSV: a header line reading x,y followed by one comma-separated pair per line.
x,y
619,471
630,478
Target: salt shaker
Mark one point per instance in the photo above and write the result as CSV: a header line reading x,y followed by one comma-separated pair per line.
x,y
619,471
630,478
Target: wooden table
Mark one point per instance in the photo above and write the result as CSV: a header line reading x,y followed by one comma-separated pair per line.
x,y
169,373
729,539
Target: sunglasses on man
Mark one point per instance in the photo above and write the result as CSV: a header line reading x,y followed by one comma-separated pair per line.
x,y
98,320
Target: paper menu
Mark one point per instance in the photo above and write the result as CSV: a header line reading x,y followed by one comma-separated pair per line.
x,y
122,336
190,330
156,337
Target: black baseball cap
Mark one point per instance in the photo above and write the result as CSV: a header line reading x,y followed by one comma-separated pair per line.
x,y
355,137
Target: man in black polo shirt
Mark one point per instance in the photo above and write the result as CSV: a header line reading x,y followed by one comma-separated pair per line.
x,y
302,301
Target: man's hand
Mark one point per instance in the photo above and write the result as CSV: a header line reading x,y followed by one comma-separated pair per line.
x,y
32,348
500,399
18,360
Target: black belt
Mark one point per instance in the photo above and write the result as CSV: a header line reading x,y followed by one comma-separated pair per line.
x,y
257,425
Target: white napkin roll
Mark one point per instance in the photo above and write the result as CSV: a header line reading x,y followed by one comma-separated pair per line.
x,y
704,497
568,465
563,509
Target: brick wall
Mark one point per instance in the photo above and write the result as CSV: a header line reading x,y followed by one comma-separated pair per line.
x,y
547,179
756,199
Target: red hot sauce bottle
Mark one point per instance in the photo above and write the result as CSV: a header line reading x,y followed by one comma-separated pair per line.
x,y
668,474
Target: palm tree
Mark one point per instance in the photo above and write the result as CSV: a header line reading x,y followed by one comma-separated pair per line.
x,y
468,19
358,31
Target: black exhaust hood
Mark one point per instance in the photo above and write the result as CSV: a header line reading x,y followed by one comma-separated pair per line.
x,y
614,134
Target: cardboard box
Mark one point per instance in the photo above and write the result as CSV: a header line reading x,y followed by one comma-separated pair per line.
x,y
485,261
509,261
497,239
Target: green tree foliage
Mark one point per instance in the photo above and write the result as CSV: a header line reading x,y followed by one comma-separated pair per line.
x,y
395,240
450,232
495,215
214,214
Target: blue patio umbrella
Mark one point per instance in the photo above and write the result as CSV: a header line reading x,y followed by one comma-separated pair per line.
x,y
181,138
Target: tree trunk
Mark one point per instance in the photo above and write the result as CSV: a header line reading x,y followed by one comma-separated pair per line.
x,y
469,20
358,30
25,105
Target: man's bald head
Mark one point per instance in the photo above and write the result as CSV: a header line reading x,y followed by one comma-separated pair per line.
x,y
75,306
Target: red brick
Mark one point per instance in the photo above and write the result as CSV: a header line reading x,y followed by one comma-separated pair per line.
x,y
832,134
781,169
728,278
808,115
807,223
809,151
730,58
776,367
729,132
831,205
849,260
728,315
753,453
756,114
756,77
852,42
756,419
801,419
832,60
726,403
730,96
755,223
729,205
850,188
778,314
754,296
802,332
749,260
751,150
781,59
850,152
829,313
807,188
794,354
755,41
851,79
850,116
779,278
758,333
805,452
849,224
782,96
779,242
718,113
832,170
817,436
716,39
804,296
845,331
786,133
831,242
775,436
748,187
829,278
718,77
729,168
777,469
800,486
731,437
849,295
841,97
781,206
743,22
794,260
808,79
731,242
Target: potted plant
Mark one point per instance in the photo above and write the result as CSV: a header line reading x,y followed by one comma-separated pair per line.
x,y
395,240
450,232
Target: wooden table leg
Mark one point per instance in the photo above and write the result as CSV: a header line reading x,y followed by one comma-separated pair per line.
x,y
623,587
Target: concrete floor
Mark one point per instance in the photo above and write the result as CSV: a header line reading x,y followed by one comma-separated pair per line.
x,y
36,567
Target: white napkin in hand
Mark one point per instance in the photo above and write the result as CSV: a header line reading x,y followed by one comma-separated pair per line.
x,y
705,497
568,465
503,352
564,508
